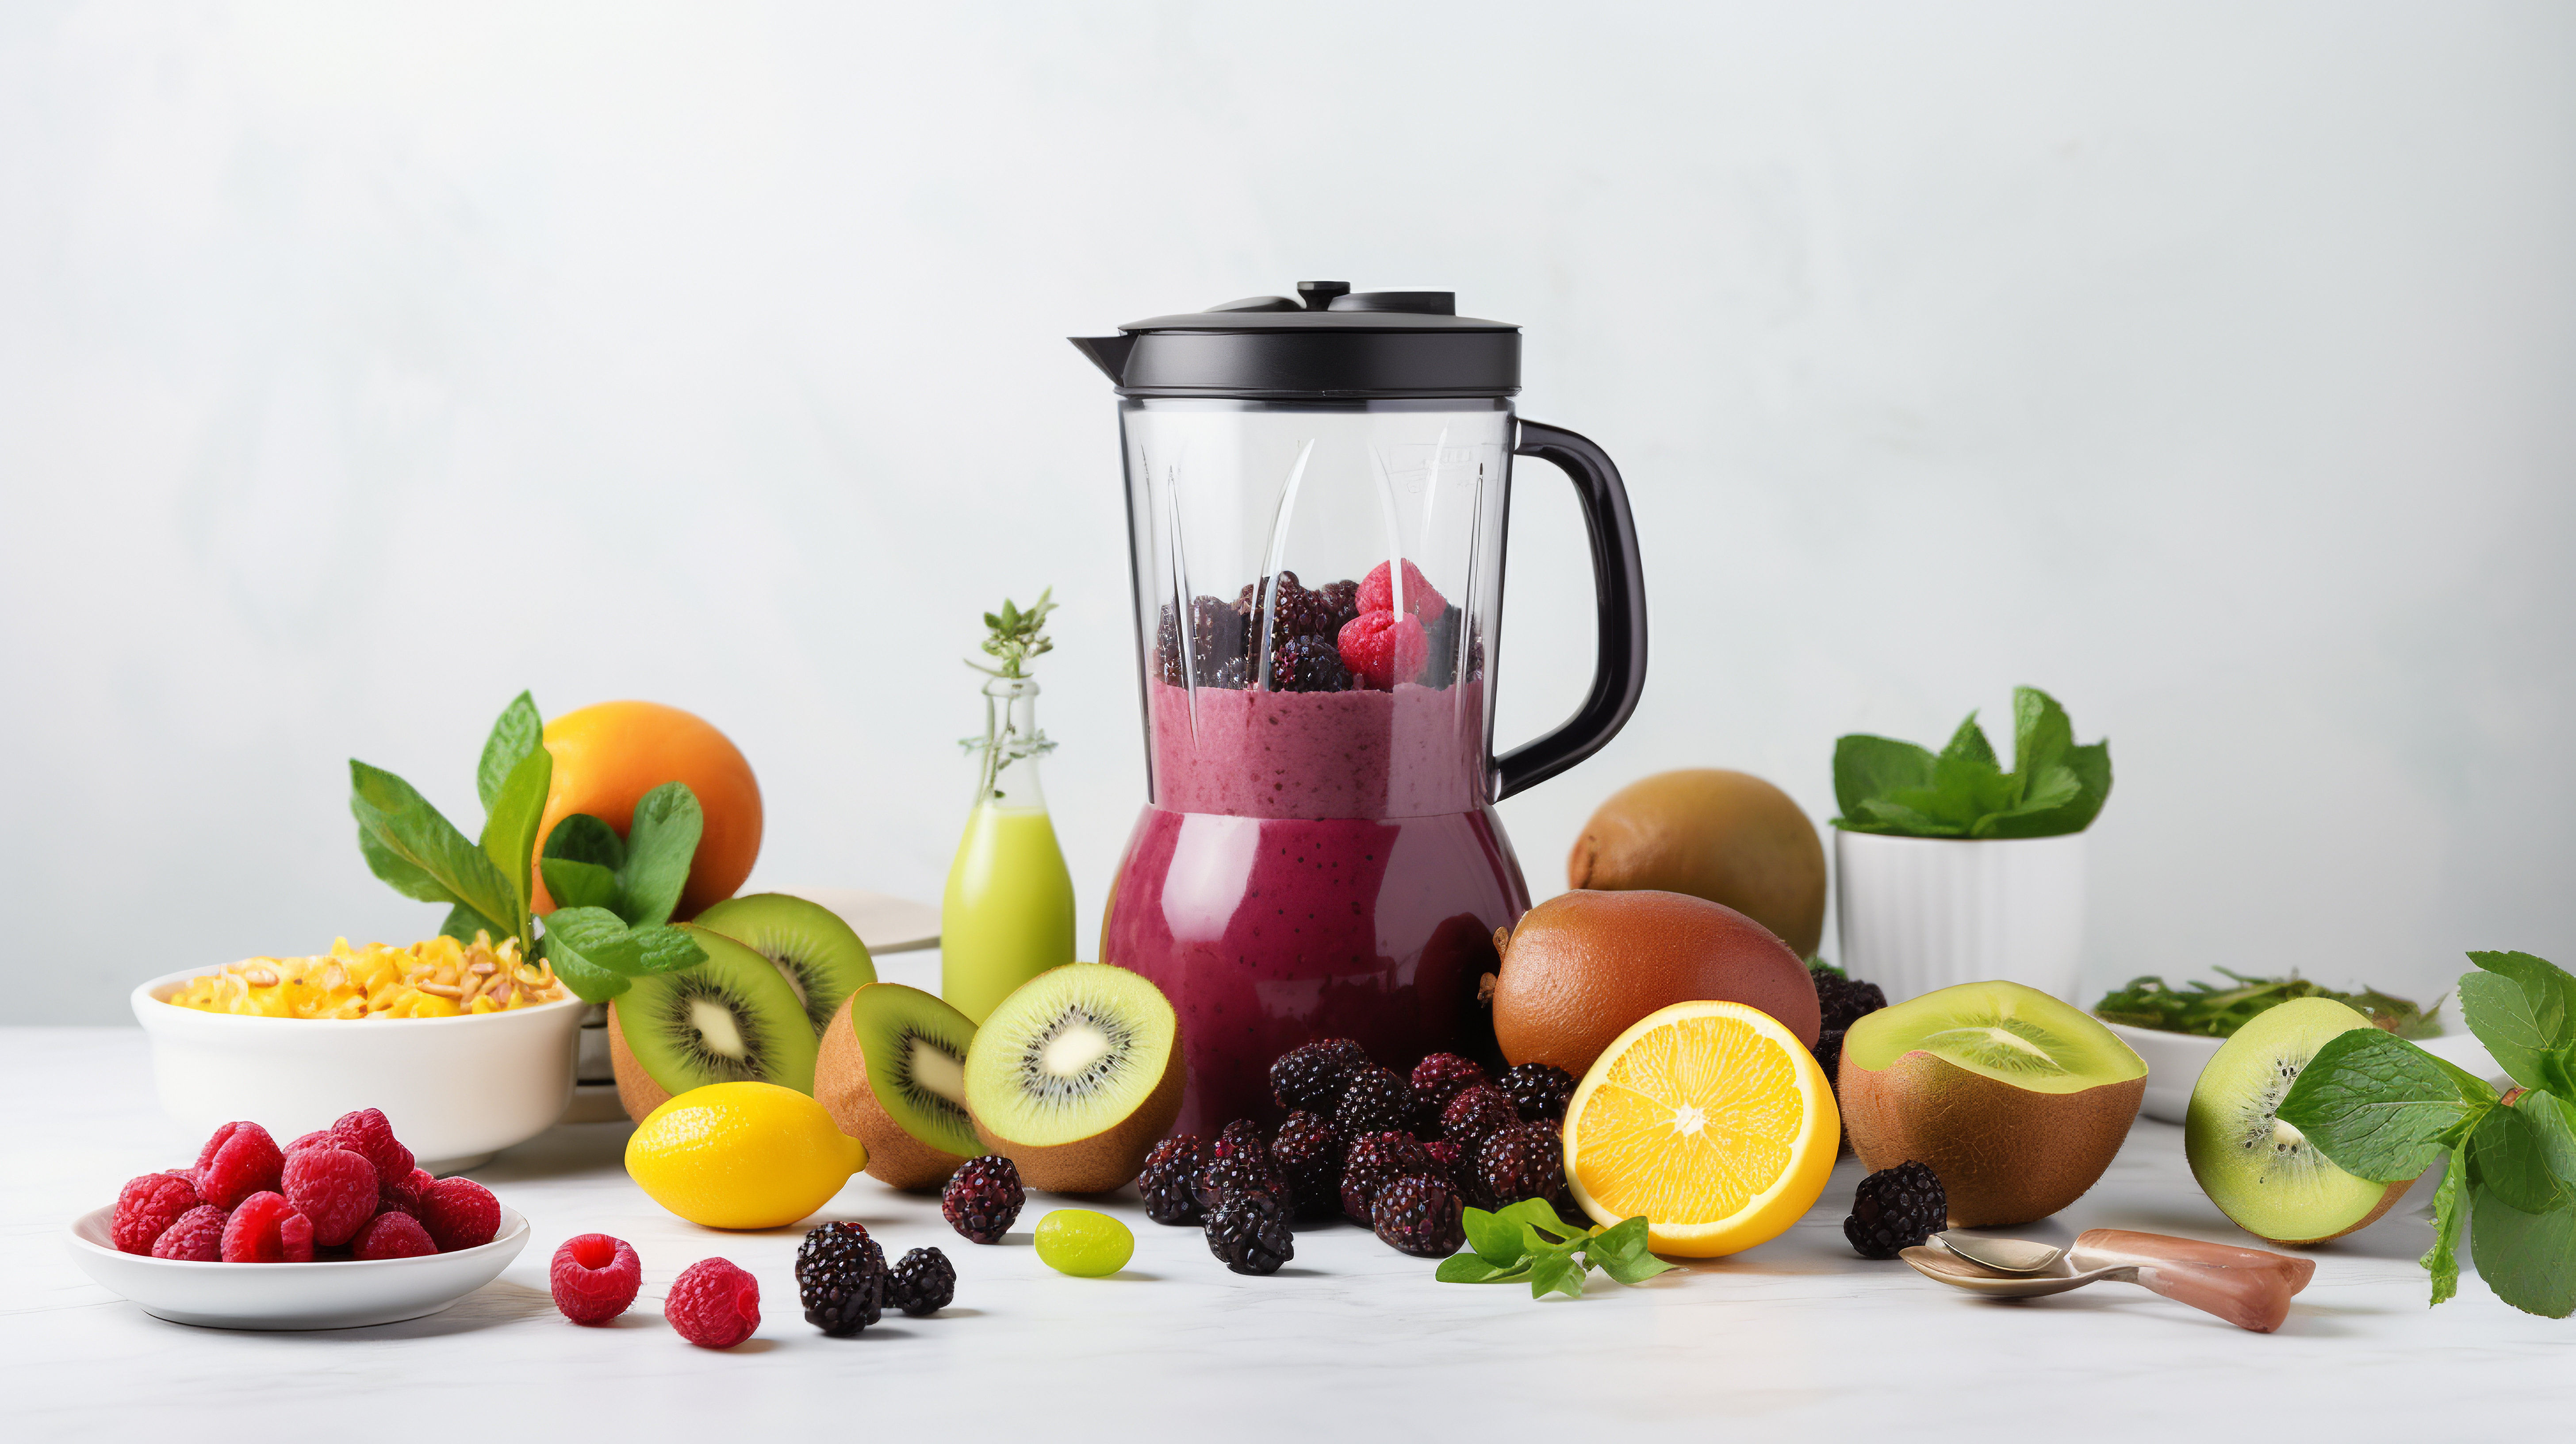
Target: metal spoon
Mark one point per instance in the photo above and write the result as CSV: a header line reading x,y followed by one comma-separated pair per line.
x,y
2247,1287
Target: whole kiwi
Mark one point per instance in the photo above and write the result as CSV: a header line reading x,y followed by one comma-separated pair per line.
x,y
1729,837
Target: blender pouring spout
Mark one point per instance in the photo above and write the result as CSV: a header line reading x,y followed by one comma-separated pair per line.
x,y
1109,353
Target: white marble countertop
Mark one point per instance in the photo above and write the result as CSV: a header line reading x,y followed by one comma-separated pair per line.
x,y
1798,1337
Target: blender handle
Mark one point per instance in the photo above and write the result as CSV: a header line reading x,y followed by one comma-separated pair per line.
x,y
1619,582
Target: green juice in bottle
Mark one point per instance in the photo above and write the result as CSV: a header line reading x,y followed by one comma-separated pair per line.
x,y
1007,915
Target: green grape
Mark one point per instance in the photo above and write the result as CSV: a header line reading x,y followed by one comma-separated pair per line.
x,y
1085,1244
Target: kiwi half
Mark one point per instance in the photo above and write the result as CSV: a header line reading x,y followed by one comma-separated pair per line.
x,y
819,955
1075,1075
891,1071
730,1019
2262,1173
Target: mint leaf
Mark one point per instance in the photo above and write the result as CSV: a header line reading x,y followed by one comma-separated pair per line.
x,y
1867,767
663,948
2053,789
519,732
2501,1011
596,936
1621,1252
463,922
404,824
1556,1273
2380,1107
2041,737
585,979
581,885
1969,744
1469,1268
584,838
1496,1240
510,832
1877,814
410,881
2442,1260
2522,1216
1886,786
659,844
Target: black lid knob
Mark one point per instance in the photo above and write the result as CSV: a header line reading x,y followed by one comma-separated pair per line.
x,y
1319,295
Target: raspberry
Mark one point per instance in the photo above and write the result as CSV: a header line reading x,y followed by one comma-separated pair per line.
x,y
1168,1181
1374,1160
265,1228
403,1195
1381,649
982,1198
841,1278
1437,1079
1308,1150
391,1235
459,1213
923,1283
333,1187
367,1134
594,1277
1539,1090
1419,1214
147,1206
240,1160
196,1236
318,1138
1249,1232
1896,1208
1377,593
1476,1114
713,1304
1312,1077
1526,1160
1308,664
1842,999
1375,1100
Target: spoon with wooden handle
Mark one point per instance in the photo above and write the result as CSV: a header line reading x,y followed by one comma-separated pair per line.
x,y
2247,1287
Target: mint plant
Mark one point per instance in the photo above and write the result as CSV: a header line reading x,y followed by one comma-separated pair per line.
x,y
2055,787
1526,1240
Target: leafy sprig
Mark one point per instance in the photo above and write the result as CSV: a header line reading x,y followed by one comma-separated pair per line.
x,y
2383,1109
1526,1240
2055,787
2216,1012
1017,636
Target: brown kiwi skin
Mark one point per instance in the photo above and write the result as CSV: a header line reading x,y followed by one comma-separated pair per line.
x,y
2004,1155
1109,1159
1729,837
636,1089
895,1158
2387,1201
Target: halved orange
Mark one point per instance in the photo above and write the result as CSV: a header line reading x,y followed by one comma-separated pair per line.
x,y
1712,1120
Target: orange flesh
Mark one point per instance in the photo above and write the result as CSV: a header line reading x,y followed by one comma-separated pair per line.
x,y
1691,1123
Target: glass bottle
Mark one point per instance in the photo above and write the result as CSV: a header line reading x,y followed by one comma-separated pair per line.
x,y
1008,913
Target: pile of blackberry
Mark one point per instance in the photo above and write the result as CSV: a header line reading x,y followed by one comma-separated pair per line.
x,y
1215,643
1842,1000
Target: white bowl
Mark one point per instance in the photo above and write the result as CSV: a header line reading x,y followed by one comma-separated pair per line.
x,y
456,1090
2174,1061
338,1294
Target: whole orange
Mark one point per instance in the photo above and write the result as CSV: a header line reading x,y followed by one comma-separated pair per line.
x,y
609,755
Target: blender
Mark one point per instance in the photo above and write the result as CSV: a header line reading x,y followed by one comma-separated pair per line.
x,y
1318,493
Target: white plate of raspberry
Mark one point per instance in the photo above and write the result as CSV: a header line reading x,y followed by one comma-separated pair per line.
x,y
323,1294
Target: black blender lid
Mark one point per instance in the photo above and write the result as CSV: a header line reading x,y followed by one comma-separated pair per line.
x,y
1327,344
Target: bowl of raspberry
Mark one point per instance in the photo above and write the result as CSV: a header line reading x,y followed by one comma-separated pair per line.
x,y
335,1229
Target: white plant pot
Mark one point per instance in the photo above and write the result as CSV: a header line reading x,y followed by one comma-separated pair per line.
x,y
1919,914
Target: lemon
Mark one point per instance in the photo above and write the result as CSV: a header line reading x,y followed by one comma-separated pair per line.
x,y
1712,1120
742,1155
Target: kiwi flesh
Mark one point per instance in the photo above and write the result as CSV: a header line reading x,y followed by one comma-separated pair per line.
x,y
891,1070
819,955
730,1019
1076,1075
2262,1173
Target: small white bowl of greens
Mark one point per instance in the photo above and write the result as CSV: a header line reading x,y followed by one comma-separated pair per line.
x,y
2178,1030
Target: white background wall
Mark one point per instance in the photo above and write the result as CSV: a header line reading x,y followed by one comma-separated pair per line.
x,y
2210,365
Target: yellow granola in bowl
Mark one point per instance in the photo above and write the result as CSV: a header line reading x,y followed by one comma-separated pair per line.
x,y
436,978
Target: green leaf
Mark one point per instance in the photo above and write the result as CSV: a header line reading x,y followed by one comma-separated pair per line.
x,y
2522,1216
1969,744
1496,1240
584,838
1469,1268
1884,816
510,832
519,732
581,884
1556,1274
596,936
410,881
2508,1161
2442,1260
2521,1030
404,823
463,922
584,979
659,844
1868,768
662,948
1621,1252
2380,1107
2054,788
2041,736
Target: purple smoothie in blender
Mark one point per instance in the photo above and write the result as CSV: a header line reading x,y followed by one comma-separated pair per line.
x,y
1319,856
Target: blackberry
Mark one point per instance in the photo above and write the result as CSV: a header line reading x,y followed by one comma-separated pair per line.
x,y
1539,1090
924,1283
1896,1208
1477,1114
1216,637
1375,1100
1375,1160
1309,1151
1233,1173
1312,1077
1342,598
1436,1080
1526,1160
1419,1214
1445,1154
1249,1231
840,1278
1829,1056
1308,664
983,1197
1231,675
1842,999
1169,1181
